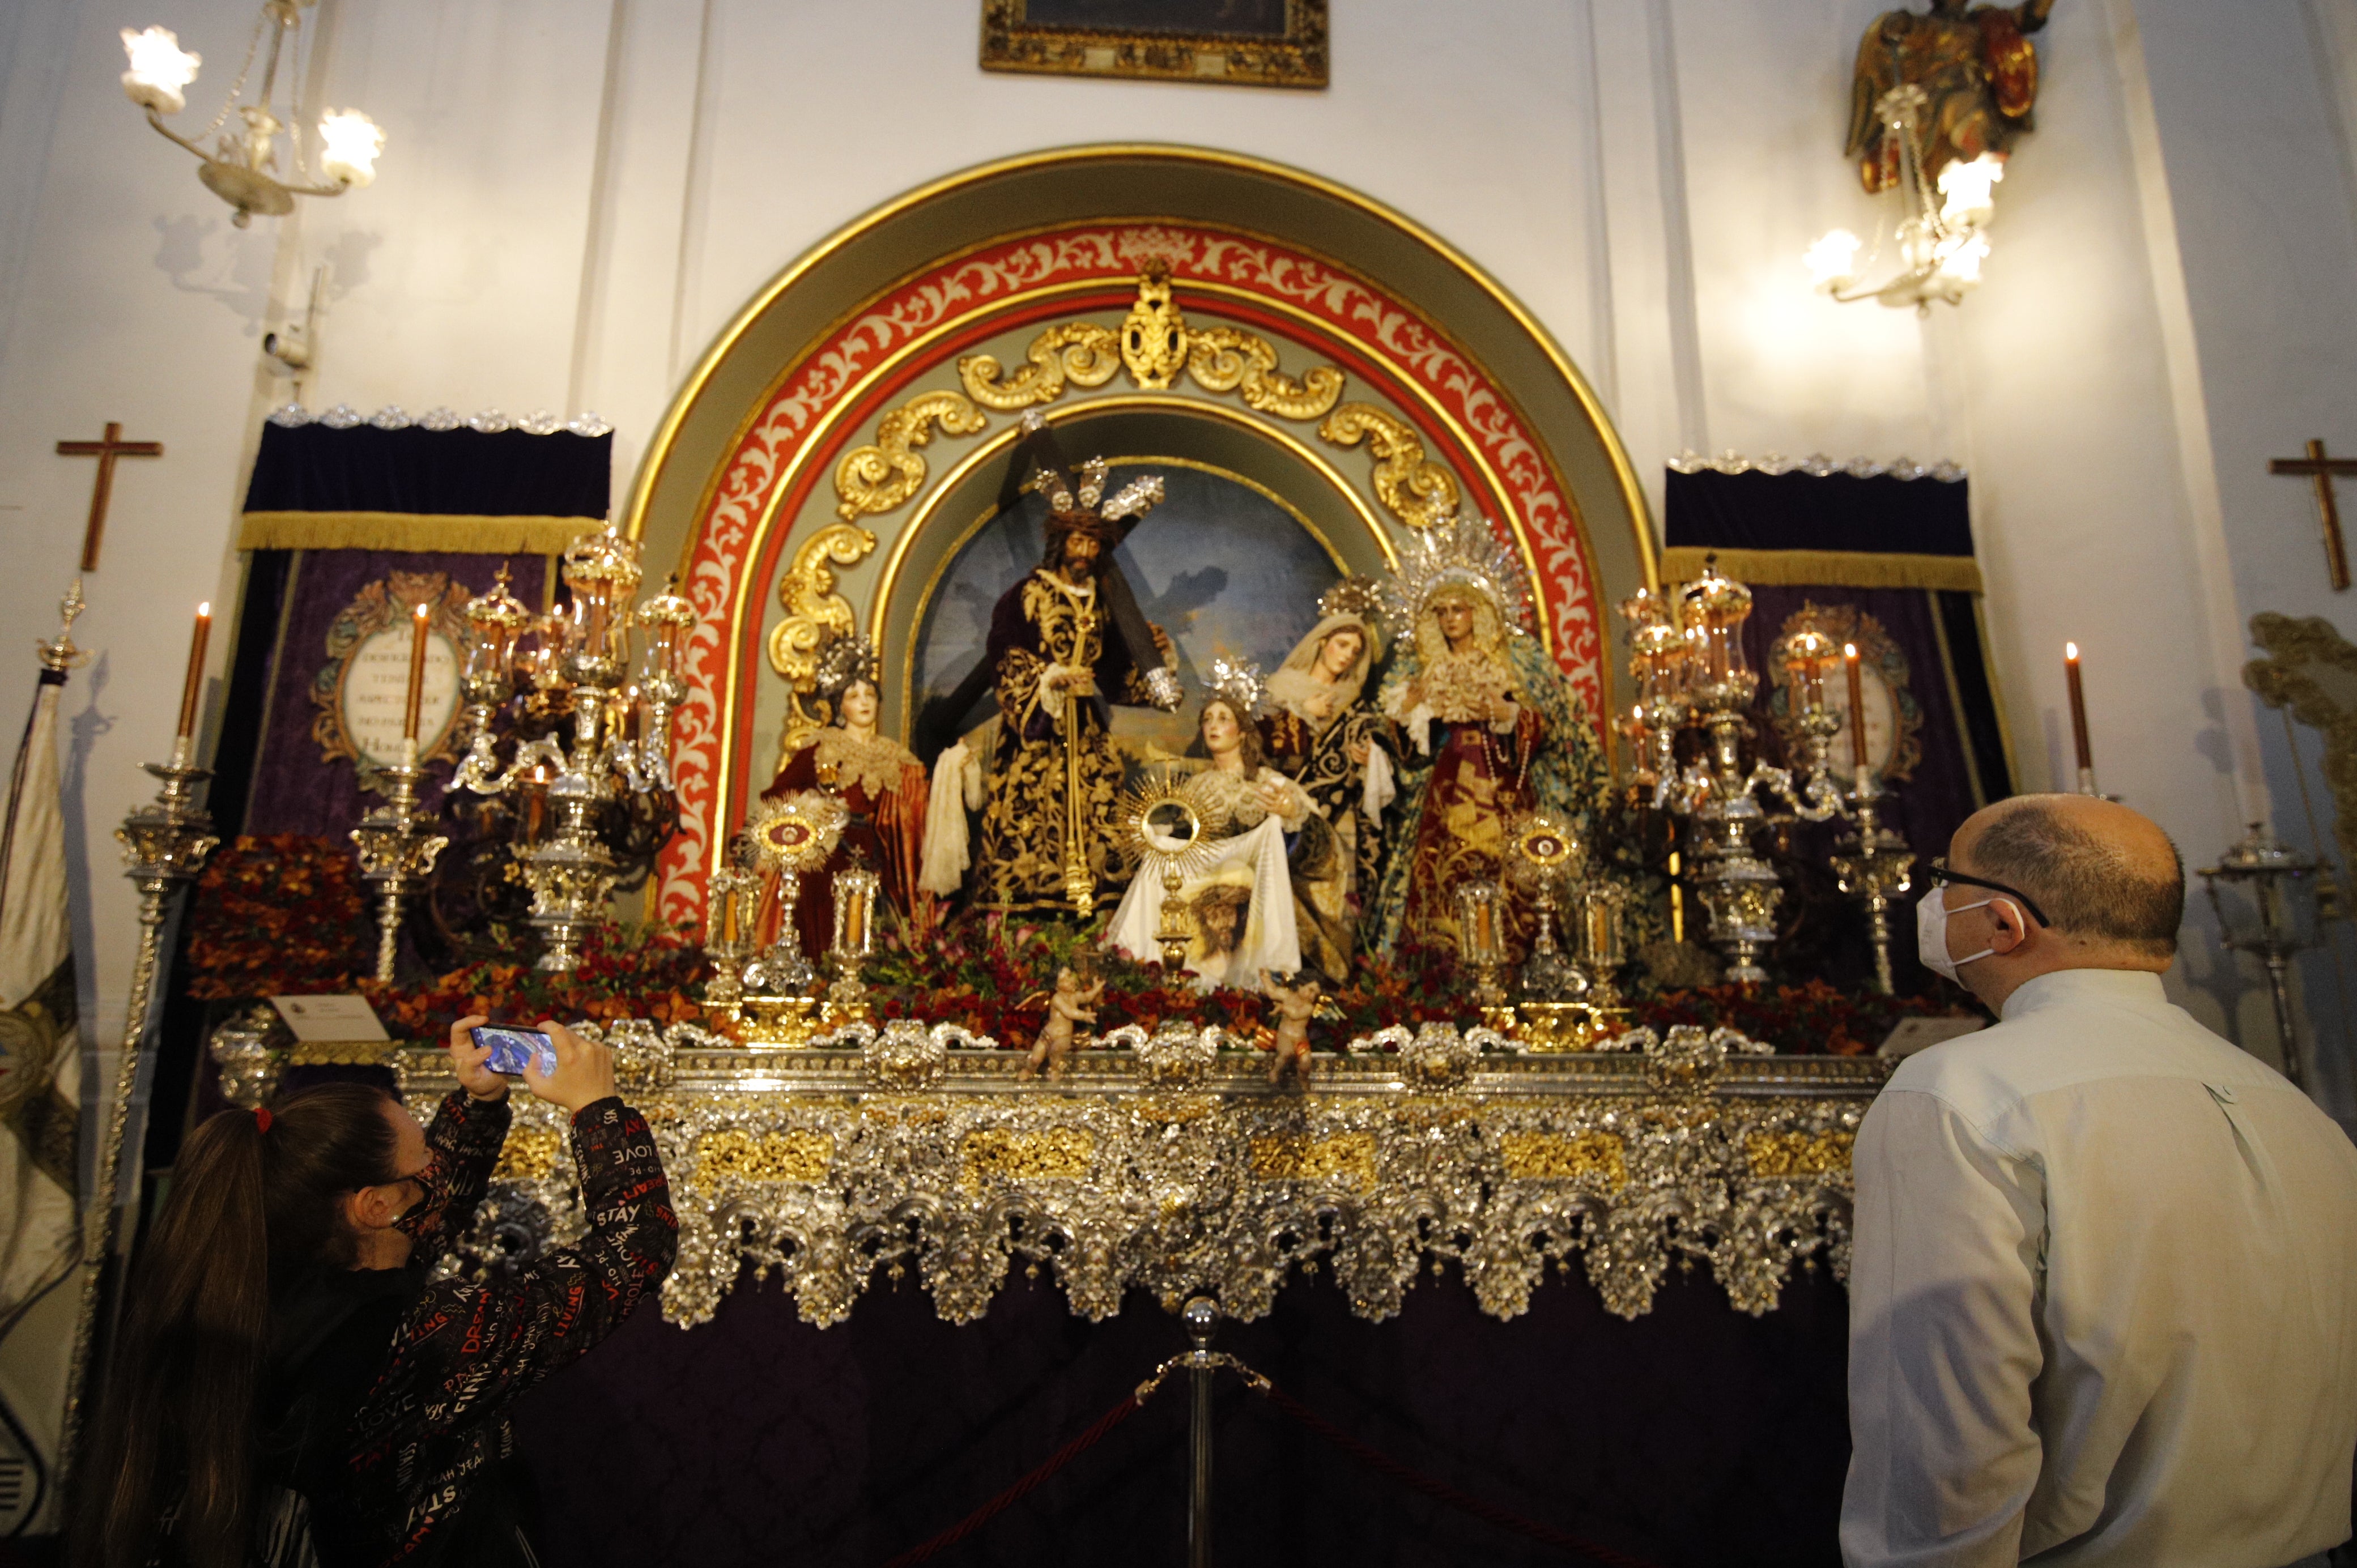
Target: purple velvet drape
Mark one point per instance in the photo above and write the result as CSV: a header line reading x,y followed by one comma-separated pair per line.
x,y
1694,1435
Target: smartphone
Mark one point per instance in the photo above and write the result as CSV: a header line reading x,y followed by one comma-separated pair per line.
x,y
511,1049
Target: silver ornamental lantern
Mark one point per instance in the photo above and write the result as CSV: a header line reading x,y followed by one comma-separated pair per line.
x,y
2280,901
1481,938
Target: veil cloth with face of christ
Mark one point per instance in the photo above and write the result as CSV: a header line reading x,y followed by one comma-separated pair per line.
x,y
1244,860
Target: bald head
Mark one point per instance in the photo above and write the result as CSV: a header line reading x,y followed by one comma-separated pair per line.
x,y
2098,871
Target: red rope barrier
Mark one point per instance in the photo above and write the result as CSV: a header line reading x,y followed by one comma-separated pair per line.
x,y
1020,1489
1441,1492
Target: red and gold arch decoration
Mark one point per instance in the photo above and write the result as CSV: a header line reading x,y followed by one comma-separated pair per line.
x,y
830,398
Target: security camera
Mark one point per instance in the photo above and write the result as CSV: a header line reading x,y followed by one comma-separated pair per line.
x,y
288,349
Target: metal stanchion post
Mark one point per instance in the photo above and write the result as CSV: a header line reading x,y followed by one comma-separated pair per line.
x,y
1202,1319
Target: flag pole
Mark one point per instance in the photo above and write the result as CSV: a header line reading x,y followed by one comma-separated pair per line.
x,y
164,846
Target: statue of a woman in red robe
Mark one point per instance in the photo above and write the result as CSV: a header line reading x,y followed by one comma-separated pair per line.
x,y
879,781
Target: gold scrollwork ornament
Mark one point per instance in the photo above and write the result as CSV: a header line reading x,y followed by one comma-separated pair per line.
x,y
1412,488
1080,352
876,478
815,616
1225,359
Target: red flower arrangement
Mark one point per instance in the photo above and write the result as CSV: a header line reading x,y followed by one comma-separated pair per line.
x,y
278,915
994,975
1813,1019
626,972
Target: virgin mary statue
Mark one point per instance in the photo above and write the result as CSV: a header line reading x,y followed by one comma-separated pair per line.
x,y
1322,731
1489,729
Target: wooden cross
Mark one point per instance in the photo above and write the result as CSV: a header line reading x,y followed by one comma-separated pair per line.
x,y
2323,470
106,450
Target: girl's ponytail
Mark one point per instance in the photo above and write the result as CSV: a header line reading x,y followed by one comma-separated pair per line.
x,y
256,1197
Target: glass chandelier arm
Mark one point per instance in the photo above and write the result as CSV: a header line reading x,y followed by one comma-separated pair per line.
x,y
169,135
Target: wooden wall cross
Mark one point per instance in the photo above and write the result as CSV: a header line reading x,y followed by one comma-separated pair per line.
x,y
106,450
2324,471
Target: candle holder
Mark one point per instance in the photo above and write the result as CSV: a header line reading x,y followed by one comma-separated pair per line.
x,y
667,620
729,903
495,622
856,892
586,753
396,851
1602,949
1481,941
1873,863
2279,911
1695,675
164,846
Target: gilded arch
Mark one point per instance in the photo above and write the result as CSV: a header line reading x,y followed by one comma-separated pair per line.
x,y
830,399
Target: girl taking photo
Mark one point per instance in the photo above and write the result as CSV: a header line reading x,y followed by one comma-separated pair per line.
x,y
289,1387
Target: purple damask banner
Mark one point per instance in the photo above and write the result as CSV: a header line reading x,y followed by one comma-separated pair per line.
x,y
297,788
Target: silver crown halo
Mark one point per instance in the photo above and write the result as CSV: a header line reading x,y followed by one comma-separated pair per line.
x,y
1239,682
1360,596
1466,553
846,658
1082,491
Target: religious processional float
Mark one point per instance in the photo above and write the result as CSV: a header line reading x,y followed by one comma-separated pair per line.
x,y
1351,992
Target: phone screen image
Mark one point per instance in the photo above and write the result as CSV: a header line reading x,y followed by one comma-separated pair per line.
x,y
511,1049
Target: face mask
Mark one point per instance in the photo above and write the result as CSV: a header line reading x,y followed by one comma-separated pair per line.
x,y
1932,933
434,1187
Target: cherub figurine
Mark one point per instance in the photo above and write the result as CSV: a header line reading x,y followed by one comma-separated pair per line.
x,y
1071,1004
1294,1006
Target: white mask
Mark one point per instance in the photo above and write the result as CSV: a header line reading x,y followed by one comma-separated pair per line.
x,y
1932,933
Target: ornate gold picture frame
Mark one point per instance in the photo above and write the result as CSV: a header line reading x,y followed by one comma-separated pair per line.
x,y
1244,43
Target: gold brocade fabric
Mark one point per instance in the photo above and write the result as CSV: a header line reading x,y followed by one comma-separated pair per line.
x,y
1022,864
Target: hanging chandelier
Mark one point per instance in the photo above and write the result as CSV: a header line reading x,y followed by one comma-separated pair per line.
x,y
241,169
1941,243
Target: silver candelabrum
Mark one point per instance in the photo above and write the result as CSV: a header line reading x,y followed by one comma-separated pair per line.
x,y
2285,897
1691,674
164,846
397,851
1873,865
579,668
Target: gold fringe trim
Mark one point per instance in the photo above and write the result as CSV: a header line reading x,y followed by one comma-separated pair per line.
x,y
454,532
1827,568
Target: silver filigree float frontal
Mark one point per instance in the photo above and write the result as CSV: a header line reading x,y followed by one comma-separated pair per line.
x,y
1162,1162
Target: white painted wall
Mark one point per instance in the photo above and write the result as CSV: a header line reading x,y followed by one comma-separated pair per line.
x,y
576,197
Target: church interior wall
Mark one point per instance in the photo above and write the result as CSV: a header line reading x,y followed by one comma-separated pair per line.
x,y
576,199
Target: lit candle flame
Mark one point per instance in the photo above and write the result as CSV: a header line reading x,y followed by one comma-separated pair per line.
x,y
2070,650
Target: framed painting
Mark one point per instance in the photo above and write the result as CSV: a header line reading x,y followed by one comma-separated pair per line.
x,y
1248,43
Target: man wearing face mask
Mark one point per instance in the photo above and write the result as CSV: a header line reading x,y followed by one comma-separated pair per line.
x,y
2103,1296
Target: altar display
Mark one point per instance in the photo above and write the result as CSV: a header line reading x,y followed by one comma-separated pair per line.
x,y
1274,917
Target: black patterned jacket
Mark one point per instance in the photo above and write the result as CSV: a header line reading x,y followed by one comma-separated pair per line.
x,y
389,1393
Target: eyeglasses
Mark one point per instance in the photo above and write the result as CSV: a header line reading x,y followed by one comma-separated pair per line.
x,y
1940,870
